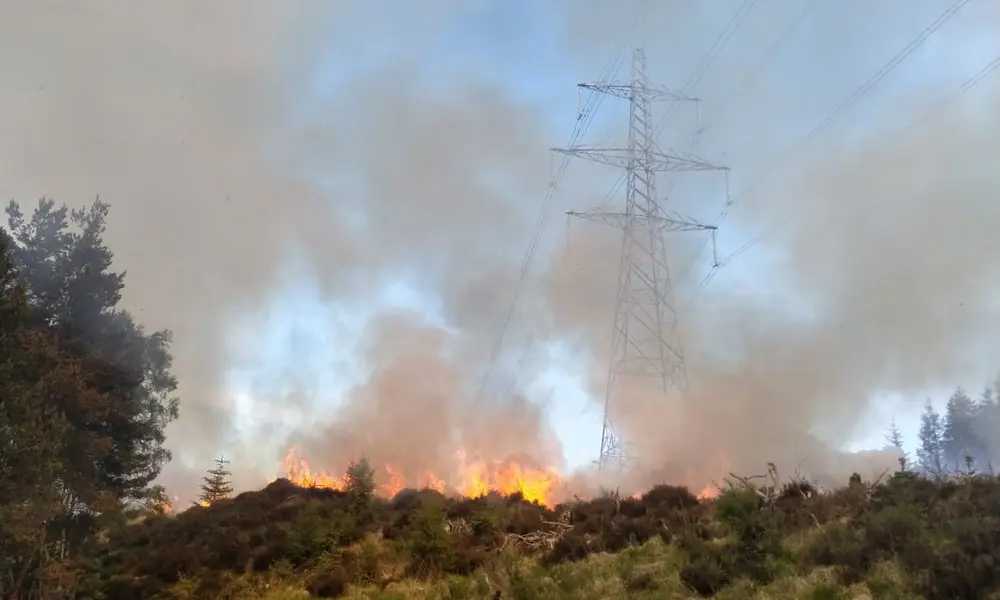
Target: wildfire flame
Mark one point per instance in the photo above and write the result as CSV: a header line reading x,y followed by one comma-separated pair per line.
x,y
473,478
709,492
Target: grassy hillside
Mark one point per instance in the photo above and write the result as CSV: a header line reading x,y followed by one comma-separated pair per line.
x,y
903,538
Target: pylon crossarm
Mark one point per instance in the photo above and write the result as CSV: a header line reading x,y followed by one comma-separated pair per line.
x,y
623,220
626,90
624,158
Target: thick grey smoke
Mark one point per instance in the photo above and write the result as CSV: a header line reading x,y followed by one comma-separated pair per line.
x,y
205,129
890,247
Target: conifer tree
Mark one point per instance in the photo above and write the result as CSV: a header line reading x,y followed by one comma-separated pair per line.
x,y
894,436
960,439
67,267
930,451
217,485
895,439
987,421
85,393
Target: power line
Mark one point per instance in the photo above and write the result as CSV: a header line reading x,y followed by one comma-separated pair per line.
x,y
880,75
967,85
768,55
717,47
583,124
865,87
584,120
529,343
732,26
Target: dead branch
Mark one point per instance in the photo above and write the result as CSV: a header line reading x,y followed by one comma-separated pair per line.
x,y
745,482
870,487
537,540
456,526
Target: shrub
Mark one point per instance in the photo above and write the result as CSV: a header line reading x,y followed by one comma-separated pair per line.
x,y
966,568
899,530
429,544
706,572
839,546
369,572
360,479
825,591
737,507
757,538
670,497
360,487
328,584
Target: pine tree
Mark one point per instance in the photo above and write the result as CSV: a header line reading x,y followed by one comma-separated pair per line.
x,y
62,256
985,423
895,439
32,434
85,394
217,486
960,440
894,436
930,452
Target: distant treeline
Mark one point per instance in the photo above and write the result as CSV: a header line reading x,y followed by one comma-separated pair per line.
x,y
964,437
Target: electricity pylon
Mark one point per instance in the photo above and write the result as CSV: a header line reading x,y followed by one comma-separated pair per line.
x,y
645,325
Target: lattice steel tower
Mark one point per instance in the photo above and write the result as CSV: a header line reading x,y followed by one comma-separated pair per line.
x,y
645,324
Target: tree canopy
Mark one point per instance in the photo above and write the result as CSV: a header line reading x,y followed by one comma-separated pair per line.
x,y
85,392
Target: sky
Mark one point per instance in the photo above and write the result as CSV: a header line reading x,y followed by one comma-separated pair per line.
x,y
355,184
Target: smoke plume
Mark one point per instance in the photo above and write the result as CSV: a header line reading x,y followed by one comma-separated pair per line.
x,y
269,166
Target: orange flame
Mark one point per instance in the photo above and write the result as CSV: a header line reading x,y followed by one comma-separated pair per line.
x,y
477,478
473,479
395,484
428,481
709,492
168,506
298,472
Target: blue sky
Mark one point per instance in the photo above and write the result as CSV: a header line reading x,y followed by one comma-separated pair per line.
x,y
521,46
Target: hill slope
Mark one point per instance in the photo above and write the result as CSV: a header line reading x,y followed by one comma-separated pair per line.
x,y
905,538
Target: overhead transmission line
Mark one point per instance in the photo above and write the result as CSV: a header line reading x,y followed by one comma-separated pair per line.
x,y
767,56
730,29
797,147
585,118
967,85
529,342
723,39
